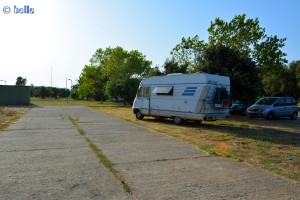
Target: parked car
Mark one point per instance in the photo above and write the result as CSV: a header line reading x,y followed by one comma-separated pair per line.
x,y
117,99
272,107
238,109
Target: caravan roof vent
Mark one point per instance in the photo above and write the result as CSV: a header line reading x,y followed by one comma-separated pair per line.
x,y
174,74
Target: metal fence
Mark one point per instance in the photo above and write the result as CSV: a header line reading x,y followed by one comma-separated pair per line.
x,y
14,95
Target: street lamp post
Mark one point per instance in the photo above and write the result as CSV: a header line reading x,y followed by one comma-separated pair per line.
x,y
67,89
4,81
71,83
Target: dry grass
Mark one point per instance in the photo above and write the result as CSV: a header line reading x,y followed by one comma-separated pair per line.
x,y
272,145
9,115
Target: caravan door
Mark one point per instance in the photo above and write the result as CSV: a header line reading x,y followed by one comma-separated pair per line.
x,y
145,108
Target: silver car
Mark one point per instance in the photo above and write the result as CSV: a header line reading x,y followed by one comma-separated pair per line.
x,y
272,107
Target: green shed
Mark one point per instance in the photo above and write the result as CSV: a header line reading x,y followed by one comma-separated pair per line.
x,y
14,95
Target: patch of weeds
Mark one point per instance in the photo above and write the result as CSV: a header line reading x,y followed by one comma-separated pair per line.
x,y
225,137
244,126
102,157
208,148
294,175
74,122
9,115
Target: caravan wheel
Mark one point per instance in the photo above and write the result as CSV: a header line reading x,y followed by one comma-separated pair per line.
x,y
197,122
177,120
139,115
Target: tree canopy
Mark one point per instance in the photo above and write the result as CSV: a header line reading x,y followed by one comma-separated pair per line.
x,y
239,48
20,81
188,52
241,41
110,71
251,40
285,83
240,69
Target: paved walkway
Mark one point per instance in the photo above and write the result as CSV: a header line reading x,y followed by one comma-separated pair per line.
x,y
42,156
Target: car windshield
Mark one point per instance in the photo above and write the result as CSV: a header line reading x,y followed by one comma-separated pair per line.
x,y
266,101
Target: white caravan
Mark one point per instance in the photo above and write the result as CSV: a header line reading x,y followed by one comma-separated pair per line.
x,y
198,97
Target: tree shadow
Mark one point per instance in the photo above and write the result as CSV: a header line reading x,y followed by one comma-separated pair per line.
x,y
253,130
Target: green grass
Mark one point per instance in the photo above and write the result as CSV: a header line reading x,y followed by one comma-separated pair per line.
x,y
63,102
208,148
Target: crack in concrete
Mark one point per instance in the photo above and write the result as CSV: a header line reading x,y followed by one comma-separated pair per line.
x,y
168,159
42,149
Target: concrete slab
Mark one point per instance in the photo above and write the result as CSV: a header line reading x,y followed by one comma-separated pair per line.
x,y
205,178
159,167
42,156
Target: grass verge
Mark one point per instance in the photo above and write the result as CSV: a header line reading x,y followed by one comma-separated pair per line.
x,y
10,114
101,157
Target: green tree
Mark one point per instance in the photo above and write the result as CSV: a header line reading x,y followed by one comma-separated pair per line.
x,y
54,92
273,85
243,35
284,83
109,71
249,38
295,67
91,83
268,55
121,66
154,71
41,92
171,66
21,81
74,91
100,56
239,34
63,92
241,70
189,52
124,88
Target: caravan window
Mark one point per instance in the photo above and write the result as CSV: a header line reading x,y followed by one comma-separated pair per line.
x,y
140,92
221,98
146,92
163,90
143,92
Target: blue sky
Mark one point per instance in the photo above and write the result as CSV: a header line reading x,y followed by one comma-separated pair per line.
x,y
63,34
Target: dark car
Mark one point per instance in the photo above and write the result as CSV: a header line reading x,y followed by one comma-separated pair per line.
x,y
238,109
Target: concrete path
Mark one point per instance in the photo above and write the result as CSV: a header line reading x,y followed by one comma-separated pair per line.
x,y
42,156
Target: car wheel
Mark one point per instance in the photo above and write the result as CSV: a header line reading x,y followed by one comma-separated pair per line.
x,y
139,115
270,115
295,115
177,120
